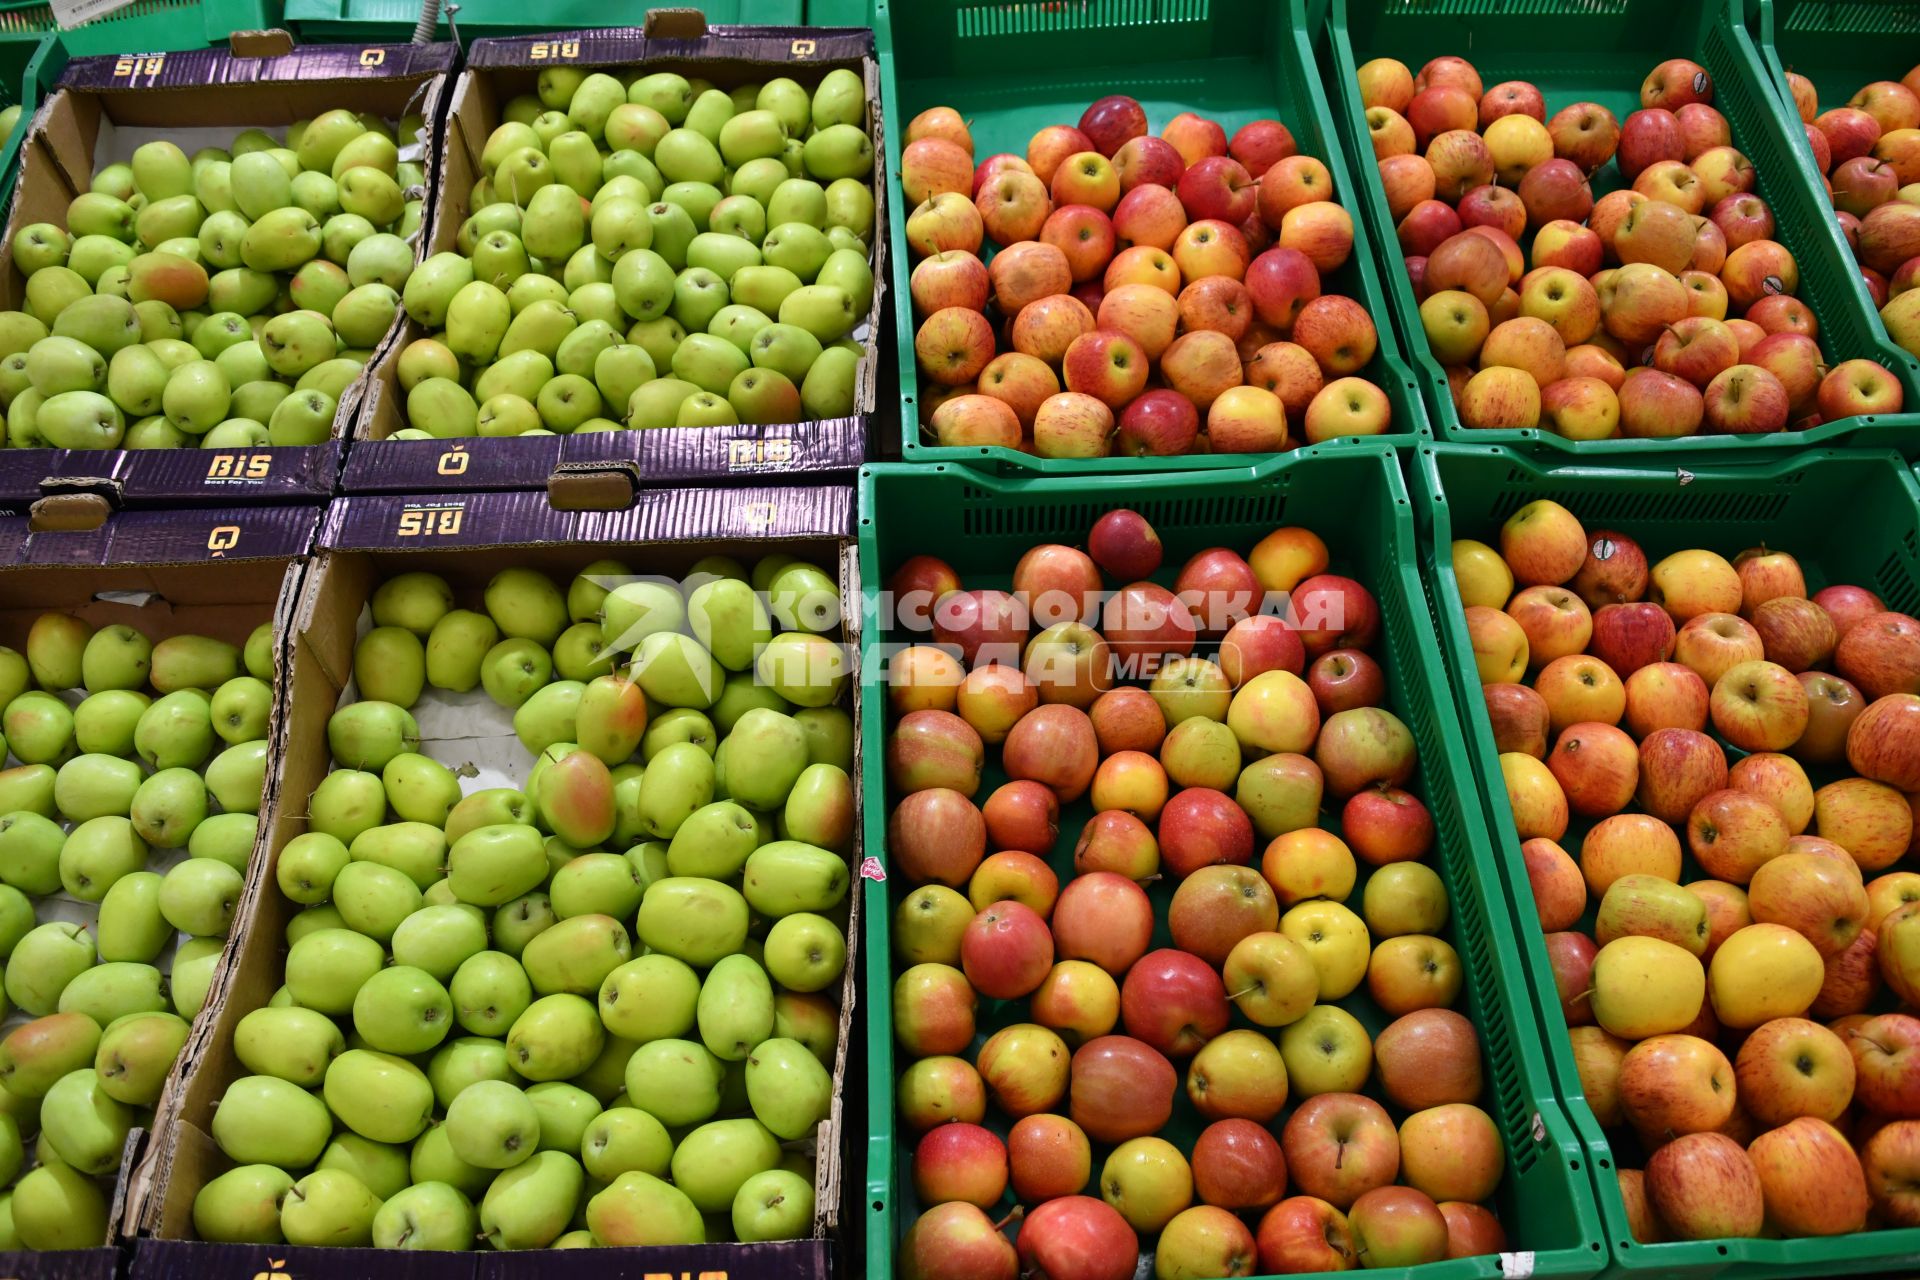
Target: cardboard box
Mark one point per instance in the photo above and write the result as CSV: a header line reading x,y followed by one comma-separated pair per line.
x,y
497,70
103,109
466,540
216,572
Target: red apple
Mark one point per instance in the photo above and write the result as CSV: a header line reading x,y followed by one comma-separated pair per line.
x,y
1077,1238
1173,1002
1124,545
1237,1164
1339,1146
1201,827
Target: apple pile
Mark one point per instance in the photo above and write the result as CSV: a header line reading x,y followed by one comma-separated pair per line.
x,y
223,301
1868,153
587,1012
126,823
1621,328
651,252
1175,285
1724,1020
1209,779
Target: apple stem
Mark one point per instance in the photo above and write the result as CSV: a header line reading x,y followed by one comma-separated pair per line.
x,y
1019,1212
1235,995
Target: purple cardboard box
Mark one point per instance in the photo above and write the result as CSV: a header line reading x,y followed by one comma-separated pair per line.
x,y
497,70
102,109
467,538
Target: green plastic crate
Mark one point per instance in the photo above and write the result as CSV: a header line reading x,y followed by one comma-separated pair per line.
x,y
1013,69
839,13
28,69
1840,45
980,522
1468,491
1600,51
387,21
145,26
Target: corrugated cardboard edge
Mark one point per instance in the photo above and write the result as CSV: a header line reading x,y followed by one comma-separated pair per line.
x,y
140,551
330,596
116,470
382,406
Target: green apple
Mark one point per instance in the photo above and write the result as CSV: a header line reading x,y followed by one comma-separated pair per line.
x,y
695,920
637,1208
373,899
95,786
419,788
110,991
30,845
39,729
97,853
492,1124
490,991
136,1055
36,1055
805,952
712,1163
495,864
440,939
113,658
427,1215
457,646
242,1206
326,968
328,1207
382,1168
194,962
531,1204
292,1044
198,897
267,1120
58,1207
368,735
193,662
378,1095
240,709
308,866
402,1010
465,1060
237,777
676,1081
226,837
555,1038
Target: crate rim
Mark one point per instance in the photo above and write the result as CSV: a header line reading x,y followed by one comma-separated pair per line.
x,y
1895,431
1732,1256
1559,1136
1395,363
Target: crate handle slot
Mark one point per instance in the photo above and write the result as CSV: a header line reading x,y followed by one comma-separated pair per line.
x,y
68,513
1033,17
592,487
676,24
271,43
1853,17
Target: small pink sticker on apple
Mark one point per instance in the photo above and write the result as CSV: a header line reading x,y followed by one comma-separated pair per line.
x,y
870,869
1603,548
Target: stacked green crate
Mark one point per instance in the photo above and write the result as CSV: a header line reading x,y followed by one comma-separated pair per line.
x,y
1013,69
390,21
981,522
1848,517
1600,51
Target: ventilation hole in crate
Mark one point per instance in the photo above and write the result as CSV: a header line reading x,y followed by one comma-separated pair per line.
x,y
1854,17
1041,18
1895,580
1509,8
